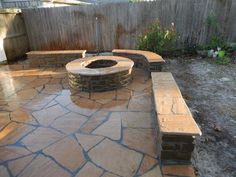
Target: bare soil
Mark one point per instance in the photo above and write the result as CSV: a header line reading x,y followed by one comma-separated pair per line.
x,y
210,92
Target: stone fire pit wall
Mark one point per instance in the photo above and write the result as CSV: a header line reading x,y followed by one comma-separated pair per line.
x,y
84,78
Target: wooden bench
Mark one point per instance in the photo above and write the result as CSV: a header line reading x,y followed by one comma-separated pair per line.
x,y
53,58
145,59
176,127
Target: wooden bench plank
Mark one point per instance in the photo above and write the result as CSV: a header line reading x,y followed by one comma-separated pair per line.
x,y
53,52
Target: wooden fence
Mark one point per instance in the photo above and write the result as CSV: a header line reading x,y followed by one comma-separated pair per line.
x,y
107,26
13,37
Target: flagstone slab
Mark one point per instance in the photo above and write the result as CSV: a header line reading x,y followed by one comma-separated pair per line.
x,y
115,158
69,123
147,163
14,132
26,94
4,172
4,119
41,138
52,89
39,101
142,140
123,94
107,174
18,165
178,170
94,121
90,170
103,95
23,117
12,152
43,166
67,152
84,106
48,115
116,105
156,172
88,141
111,129
134,119
140,102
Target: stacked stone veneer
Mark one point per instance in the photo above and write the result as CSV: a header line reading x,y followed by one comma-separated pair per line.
x,y
176,127
99,83
53,58
99,73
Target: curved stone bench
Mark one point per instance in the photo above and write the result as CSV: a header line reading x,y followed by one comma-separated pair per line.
x,y
145,59
176,127
100,73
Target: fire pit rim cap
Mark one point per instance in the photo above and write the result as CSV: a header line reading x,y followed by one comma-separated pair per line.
x,y
77,66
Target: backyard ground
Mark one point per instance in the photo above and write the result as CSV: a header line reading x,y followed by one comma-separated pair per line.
x,y
45,130
210,92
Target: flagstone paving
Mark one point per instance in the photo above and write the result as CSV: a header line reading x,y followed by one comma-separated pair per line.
x,y
48,131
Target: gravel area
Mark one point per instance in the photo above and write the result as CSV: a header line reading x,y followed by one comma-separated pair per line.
x,y
210,92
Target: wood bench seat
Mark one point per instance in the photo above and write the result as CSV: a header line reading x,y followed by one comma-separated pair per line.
x,y
176,126
53,58
150,60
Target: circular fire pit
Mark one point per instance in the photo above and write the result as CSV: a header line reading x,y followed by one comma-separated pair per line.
x,y
100,73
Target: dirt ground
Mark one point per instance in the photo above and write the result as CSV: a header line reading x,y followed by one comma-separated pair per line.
x,y
210,92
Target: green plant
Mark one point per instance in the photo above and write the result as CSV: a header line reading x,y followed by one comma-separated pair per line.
x,y
157,39
223,60
216,34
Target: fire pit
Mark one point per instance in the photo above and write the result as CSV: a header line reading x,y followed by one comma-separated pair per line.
x,y
100,73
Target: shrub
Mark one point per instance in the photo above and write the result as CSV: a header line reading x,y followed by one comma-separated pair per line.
x,y
157,39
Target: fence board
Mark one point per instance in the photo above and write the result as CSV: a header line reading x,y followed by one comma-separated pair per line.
x,y
106,26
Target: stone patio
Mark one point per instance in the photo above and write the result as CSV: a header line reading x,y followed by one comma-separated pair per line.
x,y
45,131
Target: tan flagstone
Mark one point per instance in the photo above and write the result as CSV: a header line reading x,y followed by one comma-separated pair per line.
x,y
147,163
115,158
26,94
137,86
107,174
156,172
64,99
178,170
88,141
41,138
12,152
67,152
111,128
43,166
116,105
19,164
23,117
52,89
4,172
39,101
84,106
89,170
69,123
103,95
123,94
38,82
4,119
141,102
134,119
13,132
94,121
48,115
141,140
